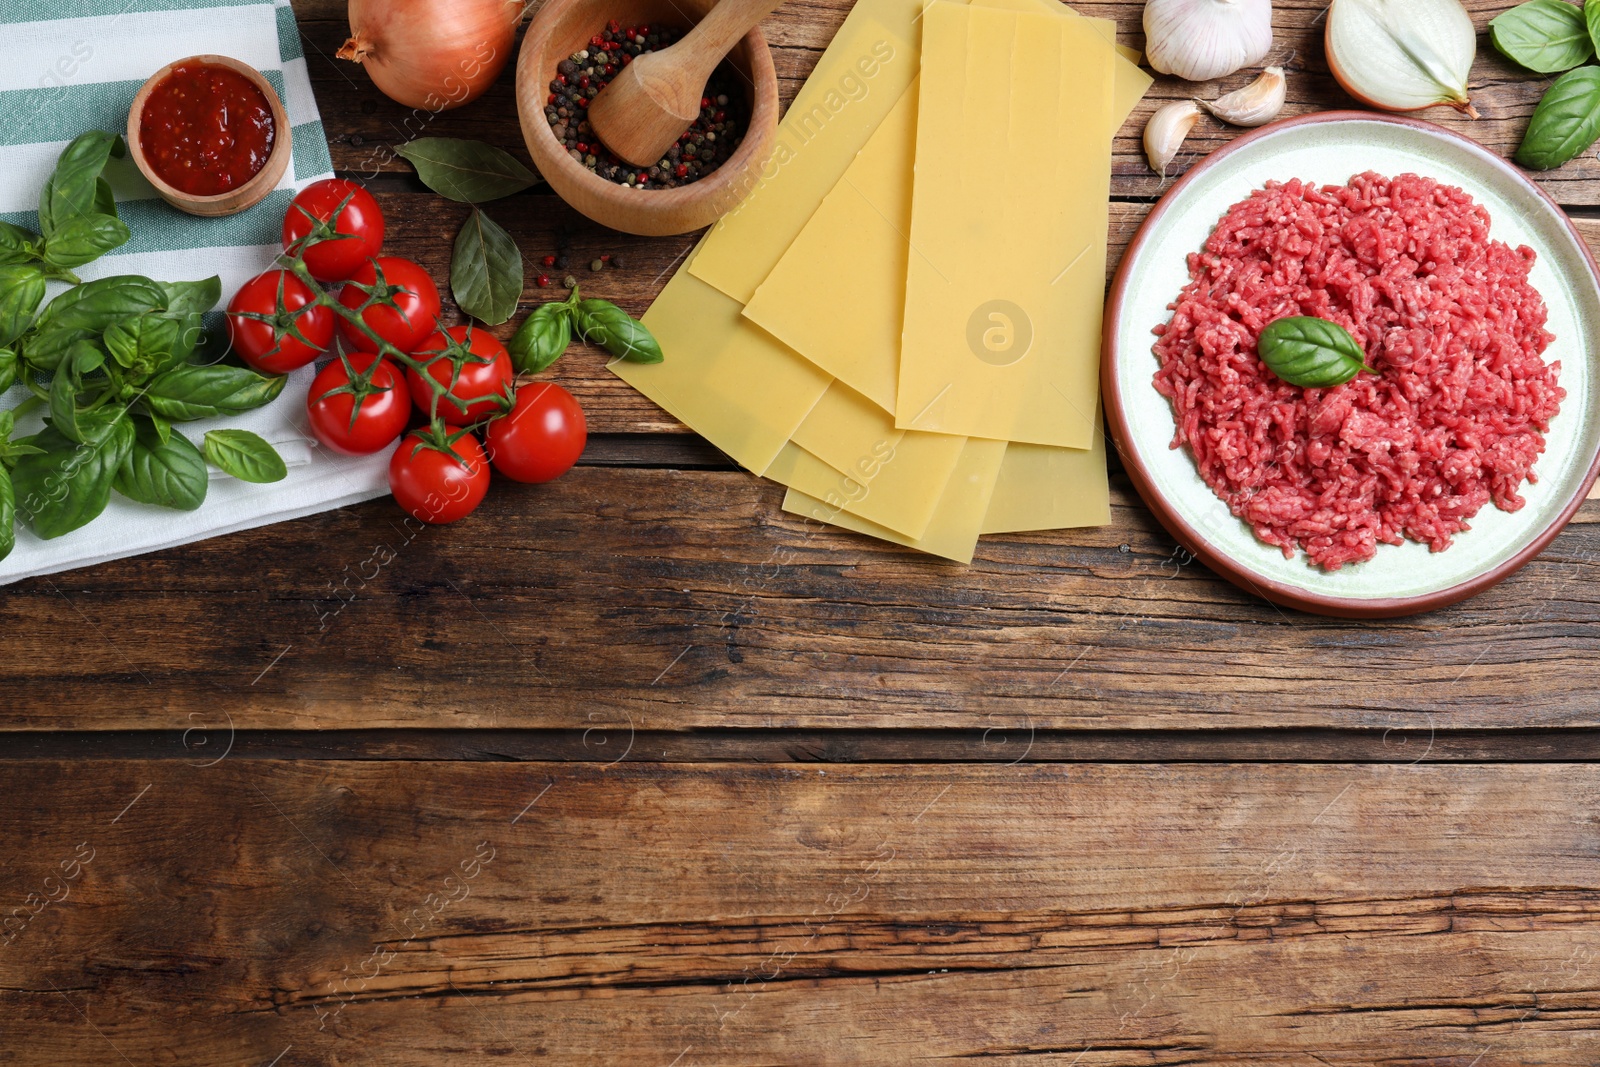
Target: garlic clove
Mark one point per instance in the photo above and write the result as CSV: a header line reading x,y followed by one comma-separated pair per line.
x,y
1203,39
1256,104
1402,55
1165,131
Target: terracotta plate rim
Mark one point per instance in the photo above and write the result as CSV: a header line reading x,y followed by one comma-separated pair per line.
x,y
1219,561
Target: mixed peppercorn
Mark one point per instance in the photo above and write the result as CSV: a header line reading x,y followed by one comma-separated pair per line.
x,y
701,149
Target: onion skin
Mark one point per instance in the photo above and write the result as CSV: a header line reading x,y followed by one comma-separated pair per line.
x,y
432,55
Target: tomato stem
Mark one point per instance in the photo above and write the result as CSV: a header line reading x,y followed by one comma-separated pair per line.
x,y
295,264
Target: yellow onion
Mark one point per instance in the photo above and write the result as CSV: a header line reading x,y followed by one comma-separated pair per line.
x,y
433,55
1402,55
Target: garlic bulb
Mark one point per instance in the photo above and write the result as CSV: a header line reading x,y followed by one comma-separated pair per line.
x,y
1256,104
1166,130
1402,55
1203,39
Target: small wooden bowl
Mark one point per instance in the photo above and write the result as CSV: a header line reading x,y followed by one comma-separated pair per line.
x,y
251,192
561,28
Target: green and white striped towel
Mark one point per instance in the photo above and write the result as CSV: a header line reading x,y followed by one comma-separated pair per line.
x,y
75,65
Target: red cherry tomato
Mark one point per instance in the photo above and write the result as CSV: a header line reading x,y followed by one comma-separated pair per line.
x,y
382,415
541,437
416,311
434,486
353,238
475,367
263,331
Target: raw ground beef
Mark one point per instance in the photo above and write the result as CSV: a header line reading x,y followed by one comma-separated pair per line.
x,y
1456,414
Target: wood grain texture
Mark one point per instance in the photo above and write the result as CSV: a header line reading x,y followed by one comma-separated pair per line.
x,y
691,915
801,29
680,599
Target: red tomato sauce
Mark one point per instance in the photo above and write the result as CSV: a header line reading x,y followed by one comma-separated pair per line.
x,y
206,129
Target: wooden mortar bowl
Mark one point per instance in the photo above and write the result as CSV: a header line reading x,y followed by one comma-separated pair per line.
x,y
251,192
563,27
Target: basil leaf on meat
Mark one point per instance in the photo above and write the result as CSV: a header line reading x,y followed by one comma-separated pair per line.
x,y
1311,353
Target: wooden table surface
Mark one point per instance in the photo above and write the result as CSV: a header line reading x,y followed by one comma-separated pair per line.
x,y
635,768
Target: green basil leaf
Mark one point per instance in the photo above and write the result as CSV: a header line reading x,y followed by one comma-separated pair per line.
x,y
17,245
105,201
8,514
191,332
244,455
1543,35
163,469
187,392
486,271
192,298
67,485
9,449
467,171
45,350
1566,122
96,305
162,427
21,293
85,238
603,323
144,344
66,389
64,392
8,371
541,339
1311,353
74,188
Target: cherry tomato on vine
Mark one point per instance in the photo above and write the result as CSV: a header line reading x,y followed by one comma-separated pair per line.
x,y
435,486
355,237
416,304
474,366
385,407
541,437
264,317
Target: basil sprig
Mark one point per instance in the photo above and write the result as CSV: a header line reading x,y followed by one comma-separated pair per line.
x,y
542,338
545,334
1310,352
110,362
1548,36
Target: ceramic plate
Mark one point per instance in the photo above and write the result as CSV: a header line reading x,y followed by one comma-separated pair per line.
x,y
1330,148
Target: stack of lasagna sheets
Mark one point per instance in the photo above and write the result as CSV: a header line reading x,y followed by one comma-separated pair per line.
x,y
901,322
